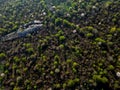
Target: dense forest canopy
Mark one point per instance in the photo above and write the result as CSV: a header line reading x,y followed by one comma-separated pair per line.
x,y
78,47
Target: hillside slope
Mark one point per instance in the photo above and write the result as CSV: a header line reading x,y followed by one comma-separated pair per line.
x,y
78,48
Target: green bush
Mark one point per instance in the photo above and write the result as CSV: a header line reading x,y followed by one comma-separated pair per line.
x,y
62,38
75,64
64,85
19,79
100,40
56,63
69,61
56,58
74,70
68,24
57,86
113,29
61,46
116,85
70,83
51,72
58,21
110,67
16,59
30,50
2,56
100,79
76,80
27,45
89,35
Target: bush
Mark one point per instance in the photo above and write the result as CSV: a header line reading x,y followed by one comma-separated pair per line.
x,y
89,35
61,46
100,79
69,61
27,45
68,24
57,86
2,56
70,83
76,80
16,59
58,21
99,40
113,29
62,38
75,64
29,50
116,85
64,85
56,58
110,67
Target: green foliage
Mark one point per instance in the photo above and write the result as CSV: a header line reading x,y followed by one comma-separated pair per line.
x,y
100,79
12,84
19,79
76,80
89,31
116,85
64,85
2,30
27,45
110,67
64,22
113,29
35,87
51,72
16,59
74,70
70,83
2,56
118,29
69,61
100,40
55,2
68,24
69,48
108,3
58,21
56,63
62,38
75,64
89,35
57,58
30,50
59,33
61,46
57,86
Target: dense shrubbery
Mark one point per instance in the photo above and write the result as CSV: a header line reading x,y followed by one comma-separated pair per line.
x,y
78,48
